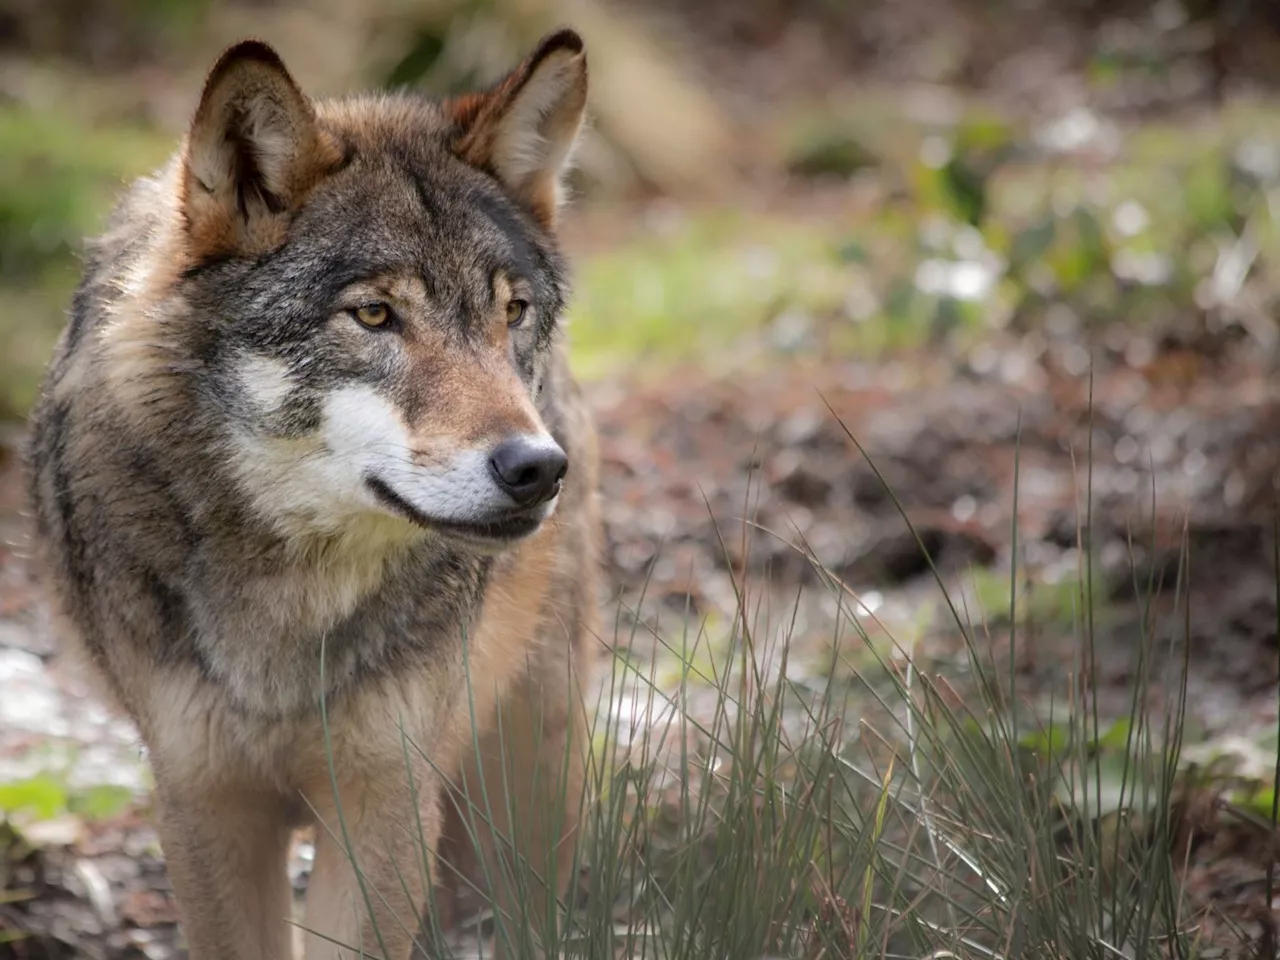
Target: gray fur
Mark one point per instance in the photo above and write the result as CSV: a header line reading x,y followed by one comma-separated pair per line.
x,y
166,569
161,510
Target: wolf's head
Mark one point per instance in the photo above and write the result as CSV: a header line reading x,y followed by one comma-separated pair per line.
x,y
372,289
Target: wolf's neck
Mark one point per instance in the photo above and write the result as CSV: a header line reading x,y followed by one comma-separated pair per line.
x,y
261,625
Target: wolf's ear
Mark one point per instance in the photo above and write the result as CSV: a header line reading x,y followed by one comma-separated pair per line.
x,y
253,152
524,129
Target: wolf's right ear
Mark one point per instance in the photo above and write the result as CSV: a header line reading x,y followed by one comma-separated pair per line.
x,y
253,152
524,129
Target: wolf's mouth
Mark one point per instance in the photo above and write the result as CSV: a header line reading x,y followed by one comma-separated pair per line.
x,y
495,529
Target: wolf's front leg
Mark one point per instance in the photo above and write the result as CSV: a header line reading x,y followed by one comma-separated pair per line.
x,y
227,847
392,832
520,798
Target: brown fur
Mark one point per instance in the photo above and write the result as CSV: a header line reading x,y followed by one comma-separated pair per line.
x,y
245,82
202,611
485,119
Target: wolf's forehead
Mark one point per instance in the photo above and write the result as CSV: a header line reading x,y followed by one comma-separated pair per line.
x,y
426,205
379,121
398,223
405,203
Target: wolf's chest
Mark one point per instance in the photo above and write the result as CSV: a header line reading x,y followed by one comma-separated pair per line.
x,y
278,643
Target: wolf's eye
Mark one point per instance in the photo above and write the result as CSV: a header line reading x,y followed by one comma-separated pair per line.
x,y
373,314
516,309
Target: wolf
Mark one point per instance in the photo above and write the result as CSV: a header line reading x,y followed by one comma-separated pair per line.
x,y
315,494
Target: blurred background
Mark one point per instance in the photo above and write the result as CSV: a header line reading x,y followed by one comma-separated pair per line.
x,y
770,179
998,238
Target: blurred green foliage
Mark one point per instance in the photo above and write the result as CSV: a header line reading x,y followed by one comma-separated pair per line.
x,y
58,177
974,224
101,34
47,795
974,231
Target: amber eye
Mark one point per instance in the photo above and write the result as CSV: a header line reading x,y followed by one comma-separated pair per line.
x,y
373,314
516,309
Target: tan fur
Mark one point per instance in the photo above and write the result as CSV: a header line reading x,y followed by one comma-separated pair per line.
x,y
541,728
227,782
218,678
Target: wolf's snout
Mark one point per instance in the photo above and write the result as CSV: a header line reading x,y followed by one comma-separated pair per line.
x,y
527,471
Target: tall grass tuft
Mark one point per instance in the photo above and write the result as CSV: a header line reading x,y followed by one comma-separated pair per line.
x,y
740,813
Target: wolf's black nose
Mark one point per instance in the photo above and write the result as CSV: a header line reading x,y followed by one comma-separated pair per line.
x,y
529,472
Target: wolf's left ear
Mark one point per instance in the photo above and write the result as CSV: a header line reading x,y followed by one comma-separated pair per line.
x,y
524,129
253,152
